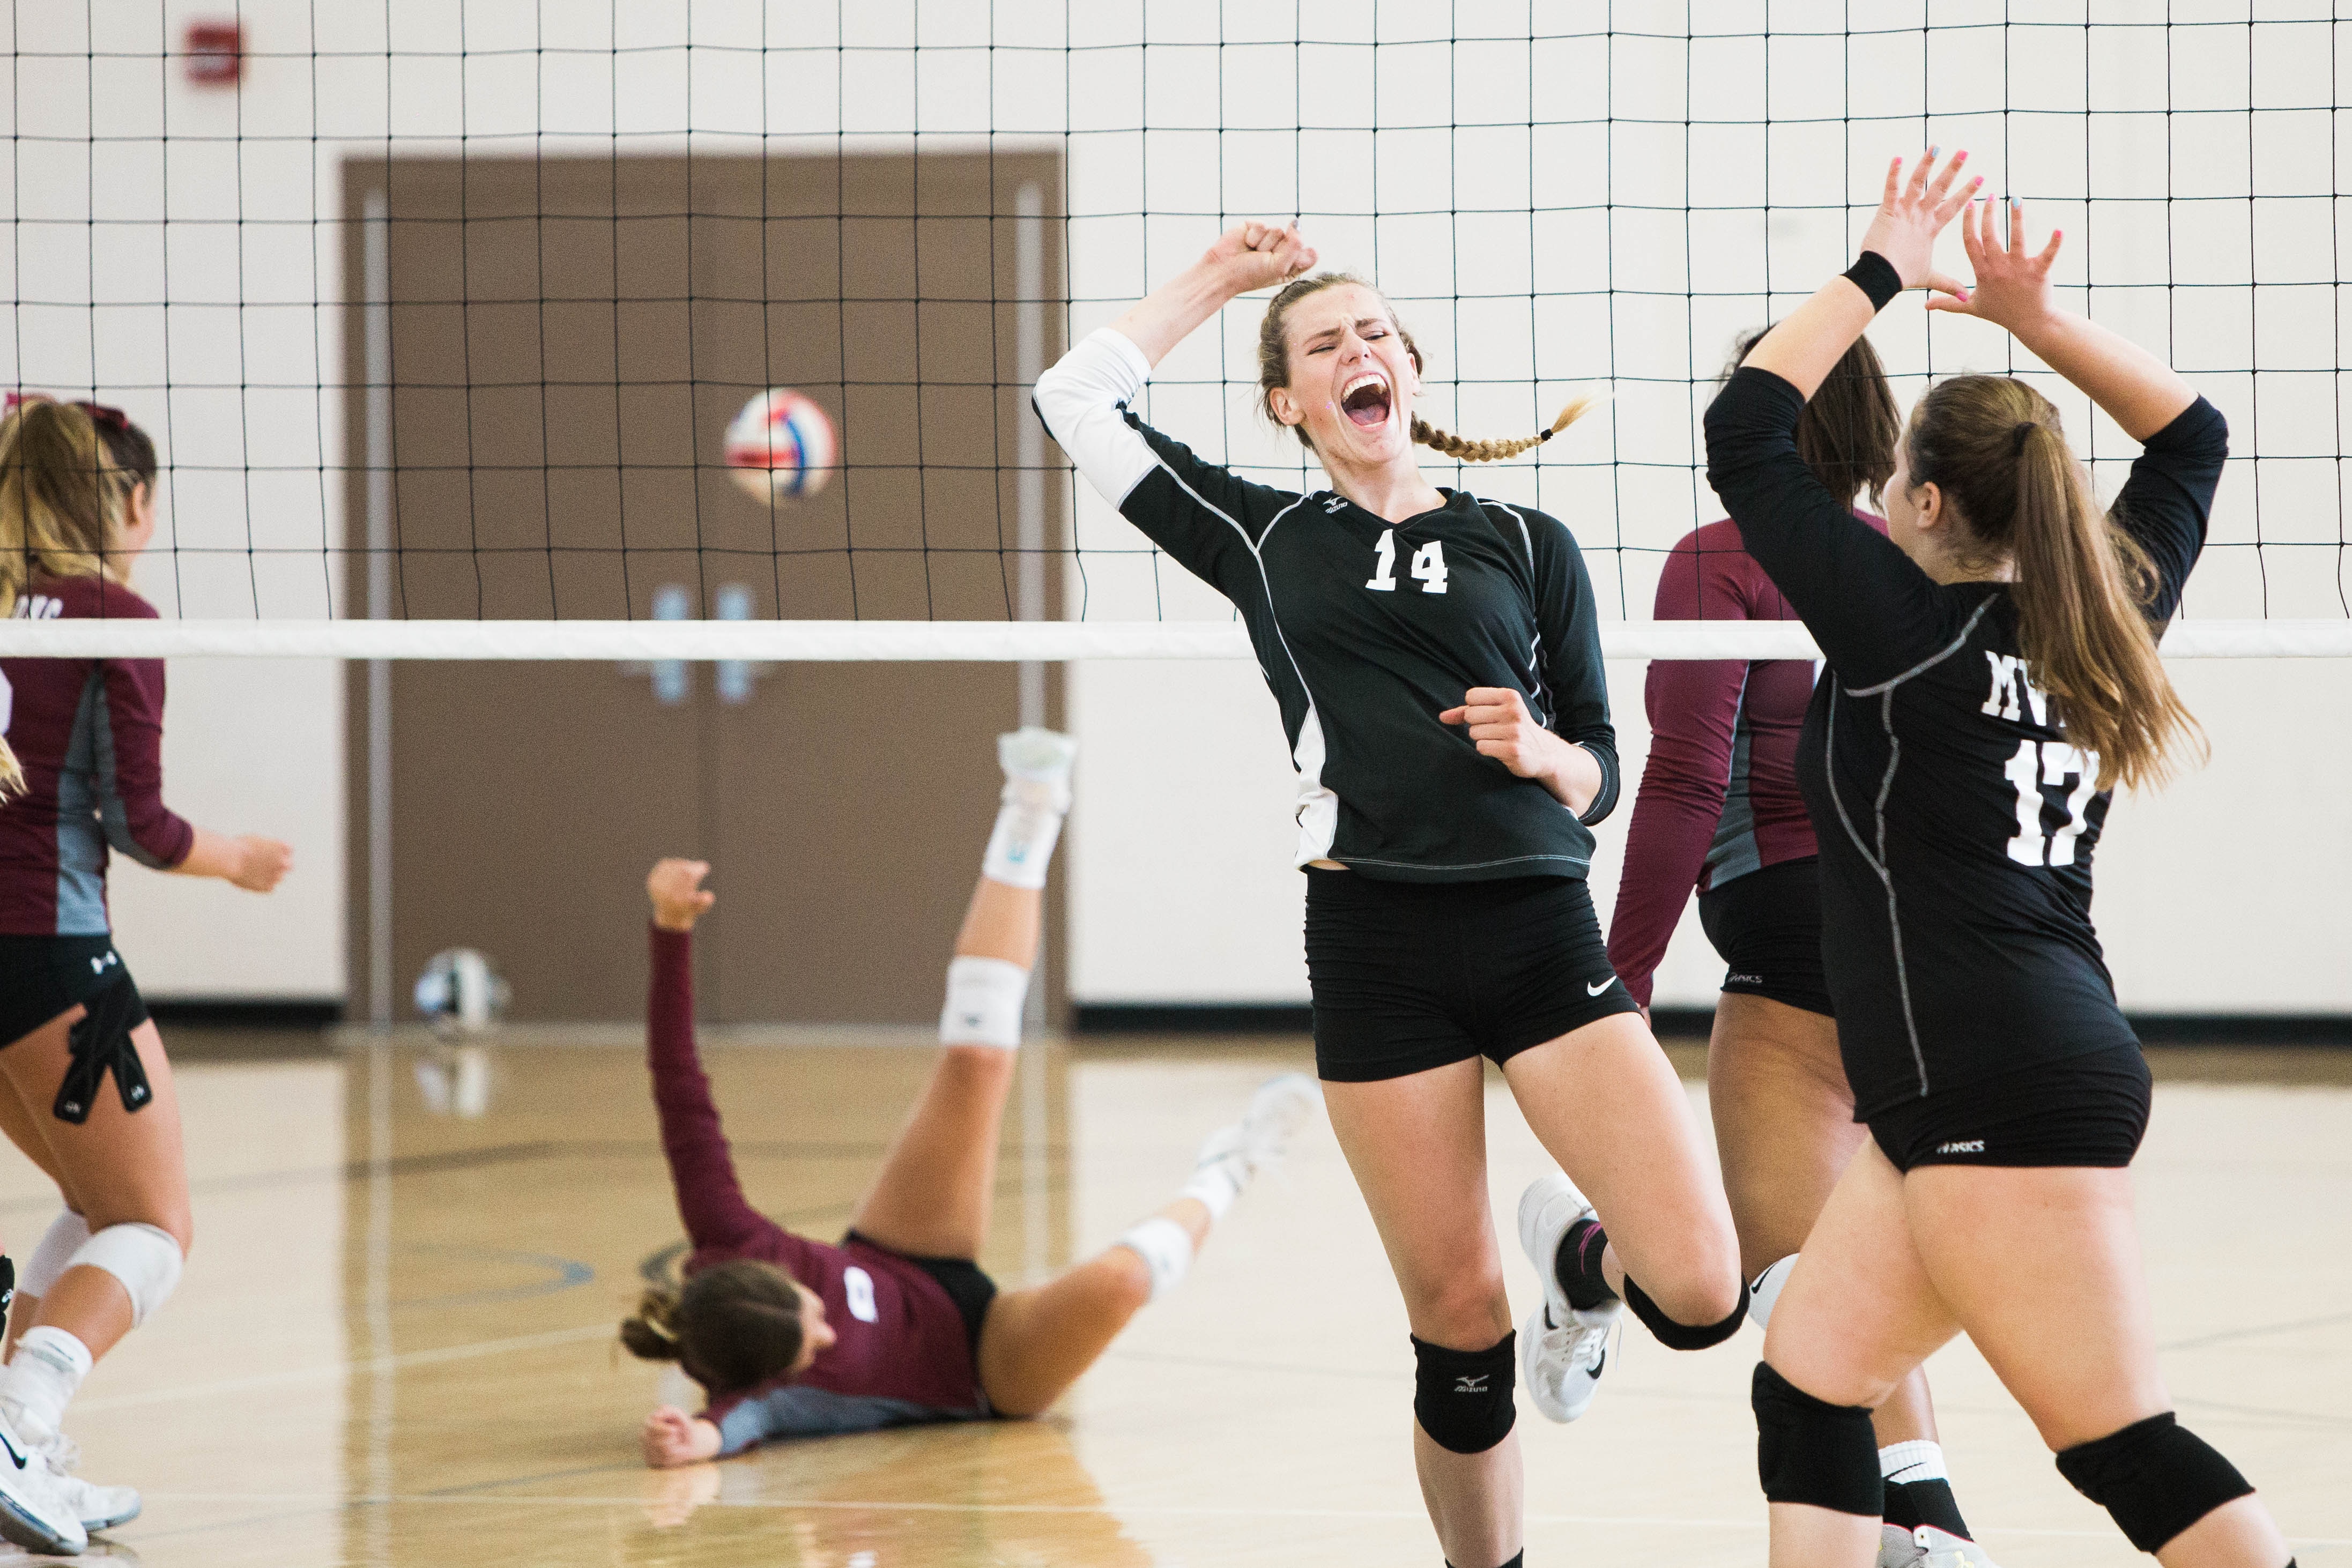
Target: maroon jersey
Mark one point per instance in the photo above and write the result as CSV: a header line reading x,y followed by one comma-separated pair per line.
x,y
1718,796
902,1355
89,733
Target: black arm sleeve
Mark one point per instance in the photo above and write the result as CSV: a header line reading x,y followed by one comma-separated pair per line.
x,y
2165,502
1575,679
1872,612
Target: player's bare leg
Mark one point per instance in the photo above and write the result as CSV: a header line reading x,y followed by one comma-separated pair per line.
x,y
1784,1130
1036,1342
937,1185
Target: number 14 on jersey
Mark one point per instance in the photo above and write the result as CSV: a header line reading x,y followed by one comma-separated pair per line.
x,y
1428,565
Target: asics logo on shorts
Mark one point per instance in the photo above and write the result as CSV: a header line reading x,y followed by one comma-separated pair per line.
x,y
1971,1146
1591,990
1743,979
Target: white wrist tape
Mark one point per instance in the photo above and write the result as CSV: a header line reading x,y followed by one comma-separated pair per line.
x,y
1166,1249
144,1257
54,1254
985,997
1767,1290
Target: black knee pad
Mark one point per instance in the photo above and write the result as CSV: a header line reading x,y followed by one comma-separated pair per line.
x,y
1462,1397
1682,1336
1813,1452
2155,1478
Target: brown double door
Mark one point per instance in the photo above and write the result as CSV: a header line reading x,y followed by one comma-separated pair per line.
x,y
567,342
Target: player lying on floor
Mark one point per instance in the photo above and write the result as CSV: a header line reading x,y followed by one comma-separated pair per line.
x,y
791,1337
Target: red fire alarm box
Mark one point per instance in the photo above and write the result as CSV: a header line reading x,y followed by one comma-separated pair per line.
x,y
215,52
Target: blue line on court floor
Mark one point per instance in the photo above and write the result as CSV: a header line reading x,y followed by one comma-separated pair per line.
x,y
565,1273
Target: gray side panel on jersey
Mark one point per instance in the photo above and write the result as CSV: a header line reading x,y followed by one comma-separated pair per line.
x,y
81,846
794,1411
1884,691
1734,854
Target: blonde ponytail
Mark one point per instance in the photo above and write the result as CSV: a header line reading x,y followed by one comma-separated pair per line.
x,y
62,497
2083,585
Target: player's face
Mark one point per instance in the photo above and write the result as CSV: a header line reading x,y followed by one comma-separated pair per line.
x,y
1352,380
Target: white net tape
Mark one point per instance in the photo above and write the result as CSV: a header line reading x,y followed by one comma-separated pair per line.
x,y
996,641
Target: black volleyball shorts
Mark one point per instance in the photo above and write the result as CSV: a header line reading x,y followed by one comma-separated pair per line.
x,y
2084,1111
1408,975
41,976
1767,927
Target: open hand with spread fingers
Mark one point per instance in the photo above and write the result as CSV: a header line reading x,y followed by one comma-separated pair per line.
x,y
2012,286
1912,212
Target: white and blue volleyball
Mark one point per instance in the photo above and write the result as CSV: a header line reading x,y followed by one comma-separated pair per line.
x,y
780,447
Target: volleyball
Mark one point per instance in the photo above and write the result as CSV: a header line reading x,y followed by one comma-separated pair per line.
x,y
781,446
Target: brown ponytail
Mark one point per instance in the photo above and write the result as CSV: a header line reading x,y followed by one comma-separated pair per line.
x,y
1996,448
1274,371
733,1326
1848,431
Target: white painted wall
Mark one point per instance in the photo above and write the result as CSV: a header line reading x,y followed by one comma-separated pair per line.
x,y
1546,221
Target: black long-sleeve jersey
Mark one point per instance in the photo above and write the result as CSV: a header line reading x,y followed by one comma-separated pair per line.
x,y
1956,822
1366,631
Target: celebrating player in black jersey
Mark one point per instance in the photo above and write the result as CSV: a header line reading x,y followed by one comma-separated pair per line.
x,y
1438,668
1992,674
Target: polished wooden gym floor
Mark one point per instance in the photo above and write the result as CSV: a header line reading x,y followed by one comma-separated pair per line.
x,y
393,1343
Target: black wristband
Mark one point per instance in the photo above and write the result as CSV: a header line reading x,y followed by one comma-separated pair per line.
x,y
1875,275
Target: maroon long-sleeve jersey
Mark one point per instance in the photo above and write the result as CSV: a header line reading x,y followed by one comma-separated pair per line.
x,y
902,1355
89,733
1718,796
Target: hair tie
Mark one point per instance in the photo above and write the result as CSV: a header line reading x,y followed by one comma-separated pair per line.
x,y
2017,436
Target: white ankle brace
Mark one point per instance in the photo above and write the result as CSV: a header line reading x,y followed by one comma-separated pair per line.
x,y
53,1255
984,1001
42,1378
1021,846
1166,1249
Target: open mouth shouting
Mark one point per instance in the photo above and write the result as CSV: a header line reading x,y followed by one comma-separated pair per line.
x,y
1365,400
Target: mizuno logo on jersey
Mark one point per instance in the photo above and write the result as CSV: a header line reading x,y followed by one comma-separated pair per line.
x,y
1972,1147
1335,505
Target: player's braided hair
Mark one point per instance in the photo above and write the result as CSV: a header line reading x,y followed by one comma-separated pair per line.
x,y
1997,450
732,1326
1274,371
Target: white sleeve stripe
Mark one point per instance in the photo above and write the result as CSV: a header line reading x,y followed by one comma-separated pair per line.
x,y
1080,398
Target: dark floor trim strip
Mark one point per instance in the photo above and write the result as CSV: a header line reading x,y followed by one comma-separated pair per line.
x,y
245,1012
2154,1029
1190,1018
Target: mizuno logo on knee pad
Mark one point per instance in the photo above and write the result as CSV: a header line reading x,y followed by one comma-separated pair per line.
x,y
1471,1384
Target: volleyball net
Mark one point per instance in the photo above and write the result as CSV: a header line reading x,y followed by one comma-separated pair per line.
x,y
445,319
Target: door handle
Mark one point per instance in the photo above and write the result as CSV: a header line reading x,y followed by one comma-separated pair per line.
x,y
672,679
735,676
